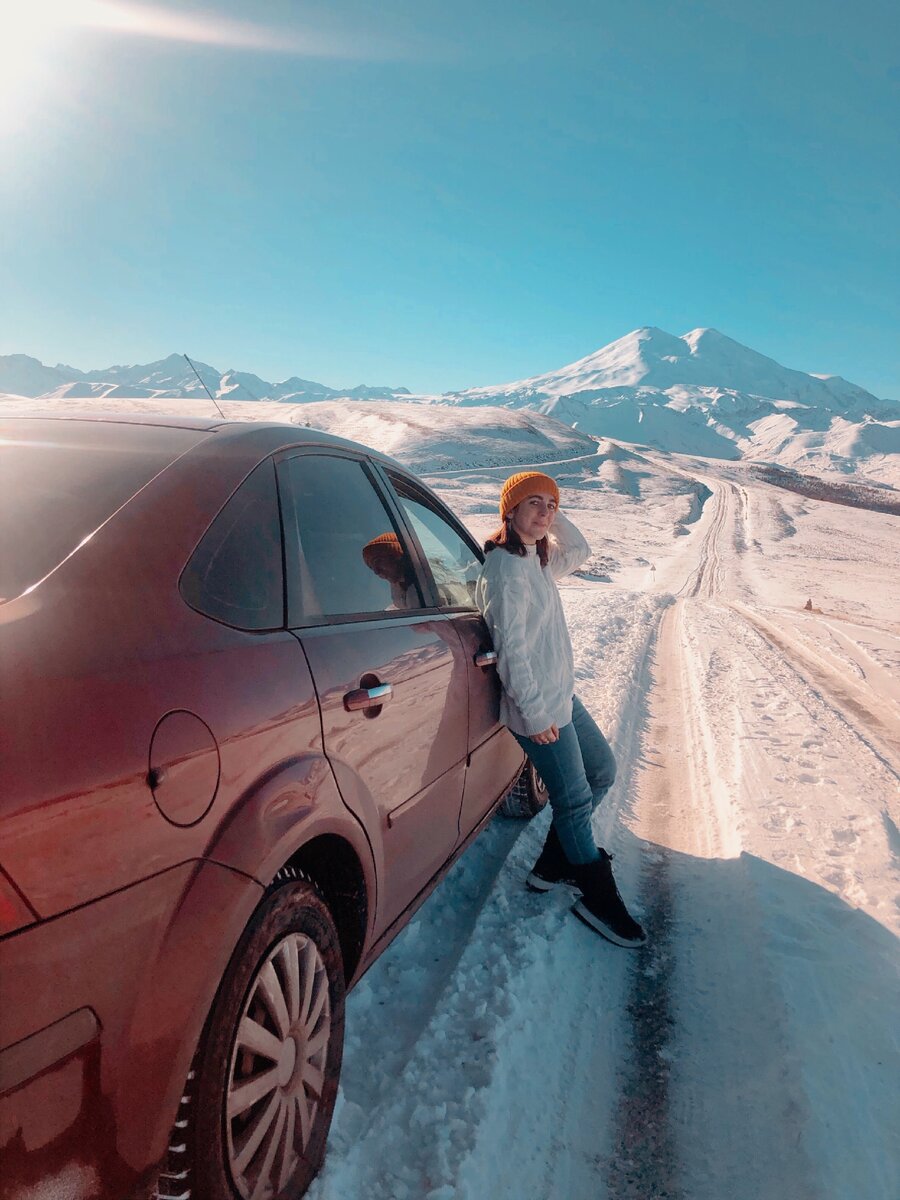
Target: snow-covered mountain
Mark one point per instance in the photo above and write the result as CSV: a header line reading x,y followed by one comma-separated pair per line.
x,y
167,378
22,375
702,394
706,394
705,359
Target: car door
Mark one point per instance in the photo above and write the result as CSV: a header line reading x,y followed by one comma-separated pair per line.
x,y
392,697
453,564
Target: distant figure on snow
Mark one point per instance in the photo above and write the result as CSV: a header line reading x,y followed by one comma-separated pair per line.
x,y
517,593
808,605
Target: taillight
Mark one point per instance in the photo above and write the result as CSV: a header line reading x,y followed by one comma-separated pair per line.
x,y
14,911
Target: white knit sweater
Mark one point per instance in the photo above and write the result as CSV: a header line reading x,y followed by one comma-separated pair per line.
x,y
520,603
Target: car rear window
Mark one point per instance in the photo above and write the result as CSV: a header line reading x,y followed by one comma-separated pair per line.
x,y
235,575
59,482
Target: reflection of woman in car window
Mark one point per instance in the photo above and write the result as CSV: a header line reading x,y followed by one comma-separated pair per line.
x,y
517,594
386,557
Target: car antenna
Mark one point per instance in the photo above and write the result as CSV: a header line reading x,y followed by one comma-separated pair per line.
x,y
205,388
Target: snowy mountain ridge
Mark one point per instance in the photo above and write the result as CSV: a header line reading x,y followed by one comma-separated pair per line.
x,y
701,393
704,359
167,378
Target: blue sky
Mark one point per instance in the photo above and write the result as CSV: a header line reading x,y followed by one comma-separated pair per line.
x,y
445,195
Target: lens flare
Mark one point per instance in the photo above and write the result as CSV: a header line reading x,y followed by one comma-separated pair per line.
x,y
34,36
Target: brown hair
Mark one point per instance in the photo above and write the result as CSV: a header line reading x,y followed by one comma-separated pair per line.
x,y
507,538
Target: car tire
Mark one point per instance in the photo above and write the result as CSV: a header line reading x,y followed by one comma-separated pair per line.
x,y
527,796
263,1086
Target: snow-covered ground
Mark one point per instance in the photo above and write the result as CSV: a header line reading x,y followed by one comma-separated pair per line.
x,y
752,1049
501,1049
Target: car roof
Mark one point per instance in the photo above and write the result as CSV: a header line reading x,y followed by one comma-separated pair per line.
x,y
202,424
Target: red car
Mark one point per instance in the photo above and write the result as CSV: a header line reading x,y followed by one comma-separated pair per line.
x,y
249,718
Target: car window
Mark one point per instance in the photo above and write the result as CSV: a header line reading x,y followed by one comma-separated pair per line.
x,y
453,563
235,575
343,553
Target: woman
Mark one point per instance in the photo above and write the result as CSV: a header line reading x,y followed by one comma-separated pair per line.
x,y
518,596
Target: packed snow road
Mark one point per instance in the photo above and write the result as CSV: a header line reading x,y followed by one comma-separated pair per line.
x,y
500,1048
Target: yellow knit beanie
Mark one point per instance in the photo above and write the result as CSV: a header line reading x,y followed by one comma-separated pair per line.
x,y
519,487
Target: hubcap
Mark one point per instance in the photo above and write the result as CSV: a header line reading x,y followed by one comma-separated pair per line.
x,y
277,1067
287,1061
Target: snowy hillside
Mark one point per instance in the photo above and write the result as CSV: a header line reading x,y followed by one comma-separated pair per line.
x,y
435,438
425,437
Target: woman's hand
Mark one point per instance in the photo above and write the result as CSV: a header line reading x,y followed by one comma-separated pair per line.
x,y
549,735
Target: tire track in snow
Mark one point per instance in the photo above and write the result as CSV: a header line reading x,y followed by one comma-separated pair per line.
x,y
645,1161
708,1009
840,694
642,1163
783,986
735,1079
818,752
794,984
704,579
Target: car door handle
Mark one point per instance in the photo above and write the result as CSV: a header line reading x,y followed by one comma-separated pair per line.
x,y
371,697
485,658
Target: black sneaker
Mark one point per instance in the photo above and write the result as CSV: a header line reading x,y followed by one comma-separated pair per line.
x,y
602,907
552,866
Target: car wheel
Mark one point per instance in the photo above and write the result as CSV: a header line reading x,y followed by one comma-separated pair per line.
x,y
527,796
265,1079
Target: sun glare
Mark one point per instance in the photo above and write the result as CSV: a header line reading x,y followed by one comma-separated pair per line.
x,y
29,41
34,38
34,34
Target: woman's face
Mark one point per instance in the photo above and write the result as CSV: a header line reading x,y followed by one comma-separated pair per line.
x,y
532,517
387,564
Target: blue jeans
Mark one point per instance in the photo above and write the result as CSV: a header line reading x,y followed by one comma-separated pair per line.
x,y
578,769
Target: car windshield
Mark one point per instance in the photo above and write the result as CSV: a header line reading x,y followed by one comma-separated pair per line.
x,y
59,481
